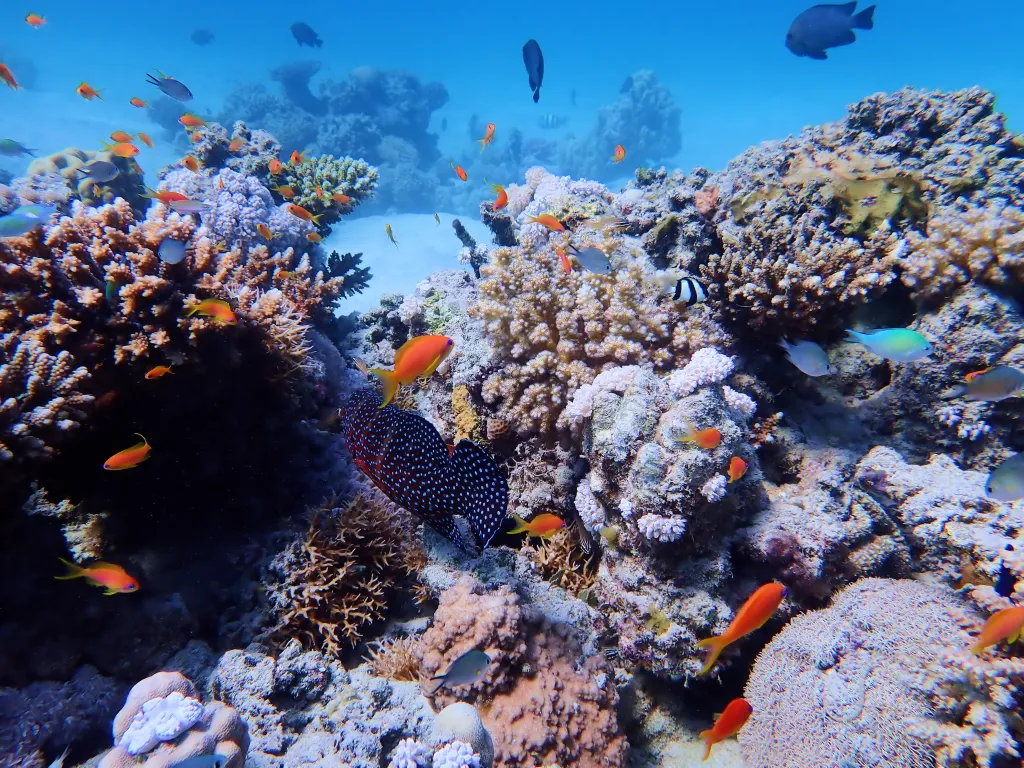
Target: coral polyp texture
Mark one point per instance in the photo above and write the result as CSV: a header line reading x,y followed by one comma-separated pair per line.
x,y
334,582
315,183
840,678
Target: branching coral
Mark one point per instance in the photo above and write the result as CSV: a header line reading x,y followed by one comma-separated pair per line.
x,y
971,242
316,182
562,561
337,579
397,659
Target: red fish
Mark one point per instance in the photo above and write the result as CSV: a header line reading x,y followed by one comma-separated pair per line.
x,y
276,166
338,197
735,716
1007,624
302,213
218,309
419,356
8,77
120,136
549,221
708,439
157,371
544,525
297,158
488,137
34,20
107,575
123,149
236,144
191,121
566,264
752,615
191,163
406,457
164,197
137,102
459,170
129,457
146,140
87,92
502,200
620,153
737,468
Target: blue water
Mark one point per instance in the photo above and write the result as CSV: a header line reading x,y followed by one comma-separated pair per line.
x,y
724,63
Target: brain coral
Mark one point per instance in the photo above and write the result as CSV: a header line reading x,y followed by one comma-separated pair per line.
x,y
837,687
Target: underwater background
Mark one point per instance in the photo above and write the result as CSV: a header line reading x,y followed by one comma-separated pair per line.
x,y
366,404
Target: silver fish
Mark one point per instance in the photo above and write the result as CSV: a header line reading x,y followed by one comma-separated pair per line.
x,y
188,206
990,386
466,669
176,89
592,259
100,171
809,357
171,251
1006,482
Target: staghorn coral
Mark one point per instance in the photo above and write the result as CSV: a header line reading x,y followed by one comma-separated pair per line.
x,y
535,669
336,580
840,678
981,242
396,659
163,719
560,560
318,179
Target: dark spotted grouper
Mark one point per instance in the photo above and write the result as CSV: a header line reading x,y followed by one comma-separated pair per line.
x,y
407,459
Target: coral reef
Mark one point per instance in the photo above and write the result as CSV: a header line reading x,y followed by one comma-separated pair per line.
x,y
334,582
164,720
839,678
68,163
316,181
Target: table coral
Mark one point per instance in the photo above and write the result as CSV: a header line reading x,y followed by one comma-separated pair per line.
x,y
336,580
839,678
163,719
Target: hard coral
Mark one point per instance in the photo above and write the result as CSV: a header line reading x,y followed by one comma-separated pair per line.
x,y
69,163
334,582
839,679
317,180
164,720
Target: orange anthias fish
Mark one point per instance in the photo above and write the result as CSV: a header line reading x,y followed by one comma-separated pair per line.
x,y
620,153
419,356
34,20
488,137
752,615
264,231
302,213
191,121
107,575
157,371
164,197
338,197
544,525
391,235
236,144
146,140
319,192
735,716
737,468
708,439
137,102
297,158
1007,624
276,166
191,163
195,137
129,457
218,309
548,220
8,77
566,264
120,137
123,149
313,237
459,170
286,192
502,200
87,92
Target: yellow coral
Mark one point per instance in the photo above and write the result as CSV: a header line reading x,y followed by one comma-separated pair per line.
x,y
467,423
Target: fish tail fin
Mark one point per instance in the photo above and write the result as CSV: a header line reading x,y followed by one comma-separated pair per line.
x,y
978,648
854,336
706,736
715,645
520,525
864,19
316,219
388,382
536,95
482,492
74,571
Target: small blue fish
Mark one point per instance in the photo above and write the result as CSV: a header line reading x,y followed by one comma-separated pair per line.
x,y
171,251
1006,481
808,357
901,345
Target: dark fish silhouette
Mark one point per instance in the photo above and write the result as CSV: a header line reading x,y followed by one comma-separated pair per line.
x,y
826,26
202,37
404,455
176,89
534,61
304,35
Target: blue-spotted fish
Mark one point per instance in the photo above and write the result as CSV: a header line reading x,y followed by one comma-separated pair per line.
x,y
405,456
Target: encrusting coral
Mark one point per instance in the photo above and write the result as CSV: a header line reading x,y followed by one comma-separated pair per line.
x,y
336,580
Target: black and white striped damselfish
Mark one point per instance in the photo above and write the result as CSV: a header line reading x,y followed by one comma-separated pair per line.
x,y
405,456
